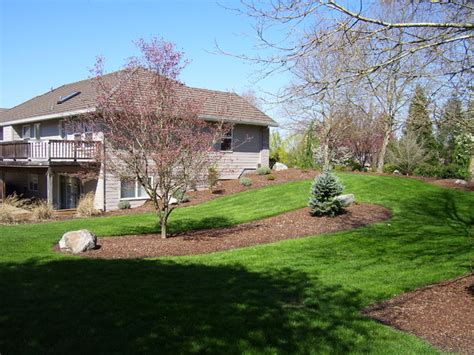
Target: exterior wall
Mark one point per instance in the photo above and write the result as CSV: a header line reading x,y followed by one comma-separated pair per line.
x,y
112,193
8,133
48,130
250,150
248,143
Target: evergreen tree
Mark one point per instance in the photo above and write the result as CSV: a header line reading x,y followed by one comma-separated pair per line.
x,y
309,146
419,122
322,195
451,125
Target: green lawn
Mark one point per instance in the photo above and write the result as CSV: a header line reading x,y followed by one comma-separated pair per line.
x,y
296,296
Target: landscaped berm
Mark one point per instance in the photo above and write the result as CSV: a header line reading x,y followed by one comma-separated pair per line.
x,y
314,294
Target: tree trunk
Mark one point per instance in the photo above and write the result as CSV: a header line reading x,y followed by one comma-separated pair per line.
x,y
383,151
163,221
326,155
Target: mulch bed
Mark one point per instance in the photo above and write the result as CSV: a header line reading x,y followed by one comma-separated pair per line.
x,y
295,224
443,314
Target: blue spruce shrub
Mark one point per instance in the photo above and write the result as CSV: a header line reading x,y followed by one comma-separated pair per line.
x,y
323,191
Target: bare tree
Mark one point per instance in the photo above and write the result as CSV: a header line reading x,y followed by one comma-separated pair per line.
x,y
151,126
251,97
440,30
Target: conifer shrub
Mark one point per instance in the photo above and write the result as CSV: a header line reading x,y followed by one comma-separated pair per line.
x,y
124,205
323,191
245,181
263,170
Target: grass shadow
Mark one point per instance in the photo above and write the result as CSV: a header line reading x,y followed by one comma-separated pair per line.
x,y
151,306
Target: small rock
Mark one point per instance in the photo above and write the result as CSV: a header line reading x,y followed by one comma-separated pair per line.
x,y
460,182
78,241
279,166
397,172
173,201
346,200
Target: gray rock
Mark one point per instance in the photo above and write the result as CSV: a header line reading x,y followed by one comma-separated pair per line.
x,y
78,241
279,166
346,200
460,182
397,172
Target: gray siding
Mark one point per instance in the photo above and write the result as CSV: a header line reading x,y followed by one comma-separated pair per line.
x,y
248,142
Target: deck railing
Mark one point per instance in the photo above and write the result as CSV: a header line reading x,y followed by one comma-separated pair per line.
x,y
49,150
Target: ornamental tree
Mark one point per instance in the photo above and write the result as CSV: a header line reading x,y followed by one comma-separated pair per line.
x,y
151,126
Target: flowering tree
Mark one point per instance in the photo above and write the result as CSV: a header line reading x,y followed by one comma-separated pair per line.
x,y
151,127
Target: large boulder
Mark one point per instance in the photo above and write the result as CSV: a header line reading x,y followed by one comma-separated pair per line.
x,y
346,200
279,166
78,241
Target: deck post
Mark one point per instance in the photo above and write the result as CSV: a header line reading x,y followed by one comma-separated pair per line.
x,y
3,191
49,186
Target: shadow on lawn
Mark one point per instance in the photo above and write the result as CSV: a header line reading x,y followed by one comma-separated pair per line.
x,y
177,226
148,306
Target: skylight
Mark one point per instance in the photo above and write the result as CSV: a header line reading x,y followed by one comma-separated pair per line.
x,y
67,97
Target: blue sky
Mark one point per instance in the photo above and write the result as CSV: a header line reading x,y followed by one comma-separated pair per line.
x,y
48,43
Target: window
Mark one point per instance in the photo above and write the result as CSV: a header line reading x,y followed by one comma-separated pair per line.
x,y
77,137
62,129
26,132
226,142
36,131
33,182
131,188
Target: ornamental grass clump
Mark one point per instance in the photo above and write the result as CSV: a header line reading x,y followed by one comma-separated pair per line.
x,y
322,200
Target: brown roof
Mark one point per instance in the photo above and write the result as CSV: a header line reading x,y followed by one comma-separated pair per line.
x,y
215,104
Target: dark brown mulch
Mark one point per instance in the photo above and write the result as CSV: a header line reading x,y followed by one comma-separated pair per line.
x,y
443,314
295,224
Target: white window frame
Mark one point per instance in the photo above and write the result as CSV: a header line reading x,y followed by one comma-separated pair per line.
x,y
23,136
36,131
62,129
138,186
32,181
231,137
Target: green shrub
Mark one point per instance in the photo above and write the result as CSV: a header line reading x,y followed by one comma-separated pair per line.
x,y
181,196
323,191
263,170
355,166
245,181
124,205
271,177
429,170
389,168
454,171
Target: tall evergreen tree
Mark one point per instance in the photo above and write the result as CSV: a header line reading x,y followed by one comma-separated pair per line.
x,y
419,122
451,125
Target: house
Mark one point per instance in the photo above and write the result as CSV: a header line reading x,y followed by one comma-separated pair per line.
x,y
40,158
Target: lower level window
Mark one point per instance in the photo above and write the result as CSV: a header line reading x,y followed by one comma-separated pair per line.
x,y
131,188
33,182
